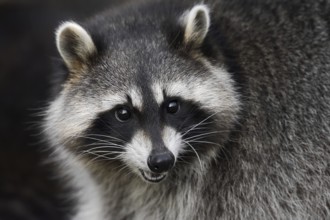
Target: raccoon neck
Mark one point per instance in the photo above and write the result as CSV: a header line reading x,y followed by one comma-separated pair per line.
x,y
125,193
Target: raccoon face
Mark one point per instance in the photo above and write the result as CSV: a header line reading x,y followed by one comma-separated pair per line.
x,y
140,105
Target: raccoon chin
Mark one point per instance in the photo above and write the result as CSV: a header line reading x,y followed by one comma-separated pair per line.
x,y
151,177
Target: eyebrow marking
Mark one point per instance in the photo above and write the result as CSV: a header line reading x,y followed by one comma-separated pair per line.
x,y
110,101
136,98
158,93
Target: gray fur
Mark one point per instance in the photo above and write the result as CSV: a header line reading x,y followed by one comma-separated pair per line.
x,y
274,165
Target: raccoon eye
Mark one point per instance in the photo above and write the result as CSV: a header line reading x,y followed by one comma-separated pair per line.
x,y
123,114
172,107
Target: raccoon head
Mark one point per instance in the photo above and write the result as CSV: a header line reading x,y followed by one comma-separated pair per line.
x,y
141,98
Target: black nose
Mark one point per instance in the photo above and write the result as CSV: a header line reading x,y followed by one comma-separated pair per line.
x,y
160,162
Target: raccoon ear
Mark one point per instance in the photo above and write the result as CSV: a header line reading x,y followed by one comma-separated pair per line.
x,y
75,45
196,24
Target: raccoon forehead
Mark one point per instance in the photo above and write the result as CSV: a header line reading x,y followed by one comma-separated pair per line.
x,y
132,96
215,93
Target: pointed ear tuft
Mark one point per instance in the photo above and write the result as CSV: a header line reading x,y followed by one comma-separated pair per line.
x,y
196,24
75,45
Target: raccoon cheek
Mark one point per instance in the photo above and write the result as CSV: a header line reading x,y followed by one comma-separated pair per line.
x,y
196,24
75,45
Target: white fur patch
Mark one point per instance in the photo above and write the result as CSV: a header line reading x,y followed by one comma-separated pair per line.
x,y
111,100
62,124
138,151
215,93
66,120
136,97
158,93
172,140
89,196
228,97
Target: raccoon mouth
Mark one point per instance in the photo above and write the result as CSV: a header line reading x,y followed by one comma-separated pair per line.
x,y
152,177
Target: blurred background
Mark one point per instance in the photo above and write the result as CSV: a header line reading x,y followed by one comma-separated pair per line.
x,y
28,187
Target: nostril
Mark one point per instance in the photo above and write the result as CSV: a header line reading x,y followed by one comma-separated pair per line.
x,y
160,162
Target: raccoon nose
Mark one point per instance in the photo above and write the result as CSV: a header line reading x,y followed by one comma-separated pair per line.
x,y
160,162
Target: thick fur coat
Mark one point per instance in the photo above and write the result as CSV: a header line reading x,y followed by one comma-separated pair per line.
x,y
260,67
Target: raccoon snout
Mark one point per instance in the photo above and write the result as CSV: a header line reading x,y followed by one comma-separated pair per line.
x,y
159,162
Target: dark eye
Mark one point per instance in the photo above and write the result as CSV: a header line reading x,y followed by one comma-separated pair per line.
x,y
123,114
172,107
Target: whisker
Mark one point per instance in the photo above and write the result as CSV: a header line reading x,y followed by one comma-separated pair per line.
x,y
91,138
106,136
208,133
200,162
111,128
123,168
181,160
97,157
99,145
202,124
199,123
129,172
205,142
202,135
106,153
100,153
113,152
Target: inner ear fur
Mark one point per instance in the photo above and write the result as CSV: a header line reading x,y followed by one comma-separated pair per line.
x,y
75,45
196,23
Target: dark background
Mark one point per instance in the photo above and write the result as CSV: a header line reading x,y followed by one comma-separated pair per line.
x,y
28,187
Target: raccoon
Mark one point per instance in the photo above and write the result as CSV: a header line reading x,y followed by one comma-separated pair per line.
x,y
189,110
